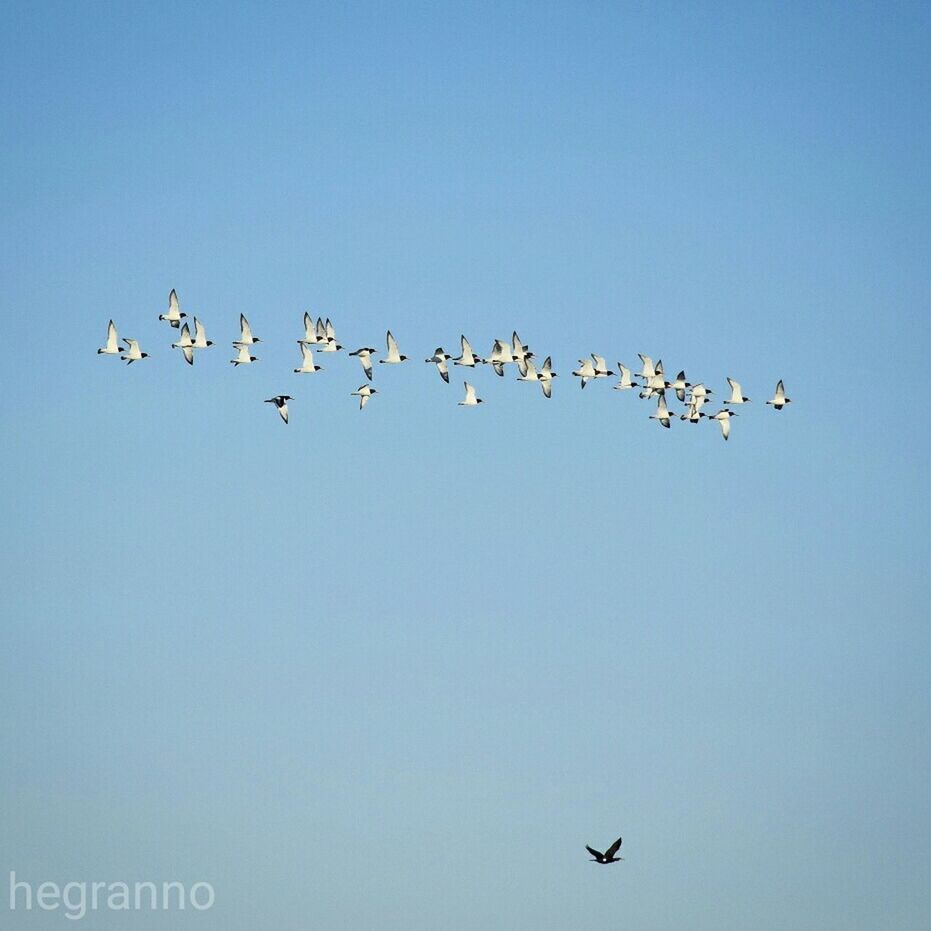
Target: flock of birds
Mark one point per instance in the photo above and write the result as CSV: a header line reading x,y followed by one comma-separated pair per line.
x,y
320,335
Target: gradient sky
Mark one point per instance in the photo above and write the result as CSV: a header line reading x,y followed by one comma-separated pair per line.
x,y
394,669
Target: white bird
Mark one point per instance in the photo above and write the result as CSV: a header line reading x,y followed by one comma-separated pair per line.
x,y
200,336
113,342
242,355
585,371
174,314
648,370
679,385
321,330
439,358
281,402
132,353
329,337
310,332
545,376
468,357
736,393
363,394
500,356
723,417
470,400
662,412
245,333
394,356
654,385
625,383
520,353
185,344
601,367
693,414
778,402
308,366
529,372
364,356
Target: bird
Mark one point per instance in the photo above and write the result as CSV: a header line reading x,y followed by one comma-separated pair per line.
x,y
625,383
281,402
700,391
520,353
679,385
723,417
132,353
737,396
470,400
468,357
585,371
113,342
529,371
439,358
601,367
653,385
308,366
545,376
245,333
647,370
242,355
364,356
174,314
662,412
363,394
329,336
310,332
200,336
185,344
320,330
609,855
778,402
500,356
394,356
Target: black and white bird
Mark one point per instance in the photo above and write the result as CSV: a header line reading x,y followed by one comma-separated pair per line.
x,y
308,366
329,341
320,330
779,400
281,402
310,331
174,314
662,412
470,400
528,371
679,385
626,382
132,352
112,347
647,369
520,353
545,376
609,856
723,417
468,357
200,336
439,358
364,356
242,355
394,356
245,333
363,394
601,367
585,371
501,355
185,344
737,396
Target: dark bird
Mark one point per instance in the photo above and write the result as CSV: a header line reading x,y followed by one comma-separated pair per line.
x,y
608,855
281,402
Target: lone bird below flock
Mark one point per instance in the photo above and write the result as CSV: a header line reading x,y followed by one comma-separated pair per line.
x,y
608,856
363,394
778,402
470,400
174,314
281,402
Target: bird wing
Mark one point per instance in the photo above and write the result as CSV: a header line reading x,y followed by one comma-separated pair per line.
x,y
366,361
200,334
600,364
113,339
548,364
393,352
661,409
470,392
245,330
467,349
595,853
443,369
185,339
725,427
321,330
174,307
780,391
547,386
188,352
613,849
329,329
735,389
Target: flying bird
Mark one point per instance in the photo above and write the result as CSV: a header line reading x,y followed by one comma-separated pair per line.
x,y
308,366
200,336
585,371
132,353
500,356
113,343
736,393
185,344
470,400
520,353
363,394
364,356
723,417
326,334
545,376
679,385
245,333
468,357
310,331
626,382
281,402
609,855
648,370
662,412
439,358
779,400
394,356
242,355
601,367
174,314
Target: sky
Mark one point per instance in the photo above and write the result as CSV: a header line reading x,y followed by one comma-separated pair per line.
x,y
394,669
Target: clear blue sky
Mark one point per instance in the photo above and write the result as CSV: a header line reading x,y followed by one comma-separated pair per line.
x,y
393,670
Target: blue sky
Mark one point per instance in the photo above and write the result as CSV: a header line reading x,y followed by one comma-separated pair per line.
x,y
395,669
